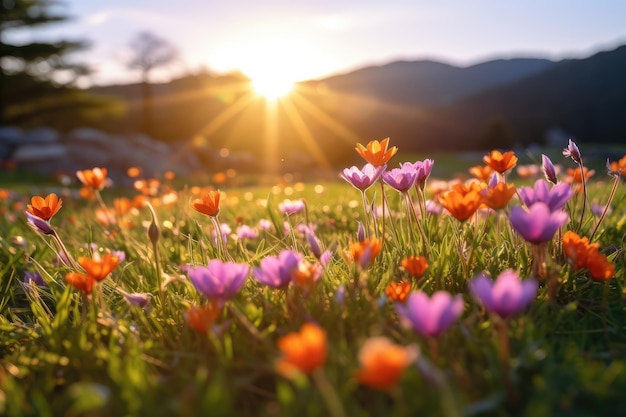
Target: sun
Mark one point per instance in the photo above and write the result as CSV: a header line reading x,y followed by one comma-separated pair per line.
x,y
271,85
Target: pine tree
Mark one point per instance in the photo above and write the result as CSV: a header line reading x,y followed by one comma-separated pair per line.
x,y
37,81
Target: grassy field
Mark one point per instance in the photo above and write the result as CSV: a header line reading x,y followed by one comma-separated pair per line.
x,y
160,334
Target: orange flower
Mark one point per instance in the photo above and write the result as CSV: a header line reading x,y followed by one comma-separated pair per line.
x,y
209,205
574,175
44,208
480,172
461,203
498,197
81,282
169,175
619,166
307,274
202,318
365,251
304,351
398,291
415,265
93,178
500,162
600,268
383,362
96,269
133,172
376,153
583,254
577,249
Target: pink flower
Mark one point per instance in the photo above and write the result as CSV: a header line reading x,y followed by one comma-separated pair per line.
x,y
507,296
430,316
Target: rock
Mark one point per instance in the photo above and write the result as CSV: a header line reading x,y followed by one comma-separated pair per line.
x,y
40,135
10,135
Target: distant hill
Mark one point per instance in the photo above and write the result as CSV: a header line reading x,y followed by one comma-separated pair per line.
x,y
425,83
421,105
584,97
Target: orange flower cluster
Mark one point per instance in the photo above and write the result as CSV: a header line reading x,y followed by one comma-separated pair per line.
x,y
302,352
376,153
93,178
500,162
365,251
498,197
584,254
44,208
383,362
209,205
201,318
96,269
416,266
462,200
398,291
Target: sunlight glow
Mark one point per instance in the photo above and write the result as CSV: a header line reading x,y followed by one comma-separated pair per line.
x,y
271,86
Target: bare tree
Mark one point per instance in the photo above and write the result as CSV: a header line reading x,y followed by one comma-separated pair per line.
x,y
149,53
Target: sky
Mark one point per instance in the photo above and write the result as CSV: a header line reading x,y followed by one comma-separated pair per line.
x,y
301,40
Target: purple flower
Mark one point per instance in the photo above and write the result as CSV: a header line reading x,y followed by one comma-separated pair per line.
x,y
225,230
218,280
246,232
362,179
34,278
555,197
507,296
430,316
573,152
360,232
494,180
314,244
326,257
538,223
139,299
39,225
289,207
401,179
265,224
422,170
548,169
277,271
120,255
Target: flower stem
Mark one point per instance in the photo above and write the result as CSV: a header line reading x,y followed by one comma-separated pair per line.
x,y
502,330
606,208
582,178
367,219
335,408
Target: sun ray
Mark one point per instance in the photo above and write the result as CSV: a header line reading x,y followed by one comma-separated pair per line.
x,y
230,112
271,136
305,134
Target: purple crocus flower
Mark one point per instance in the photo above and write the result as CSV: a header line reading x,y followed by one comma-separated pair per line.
x,y
34,278
548,169
401,179
277,271
225,230
289,207
360,232
314,244
219,280
573,152
246,232
507,296
555,197
39,225
538,223
430,316
364,178
422,170
139,299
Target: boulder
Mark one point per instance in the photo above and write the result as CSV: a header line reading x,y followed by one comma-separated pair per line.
x,y
40,135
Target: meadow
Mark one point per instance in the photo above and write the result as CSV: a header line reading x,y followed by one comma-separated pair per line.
x,y
387,292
